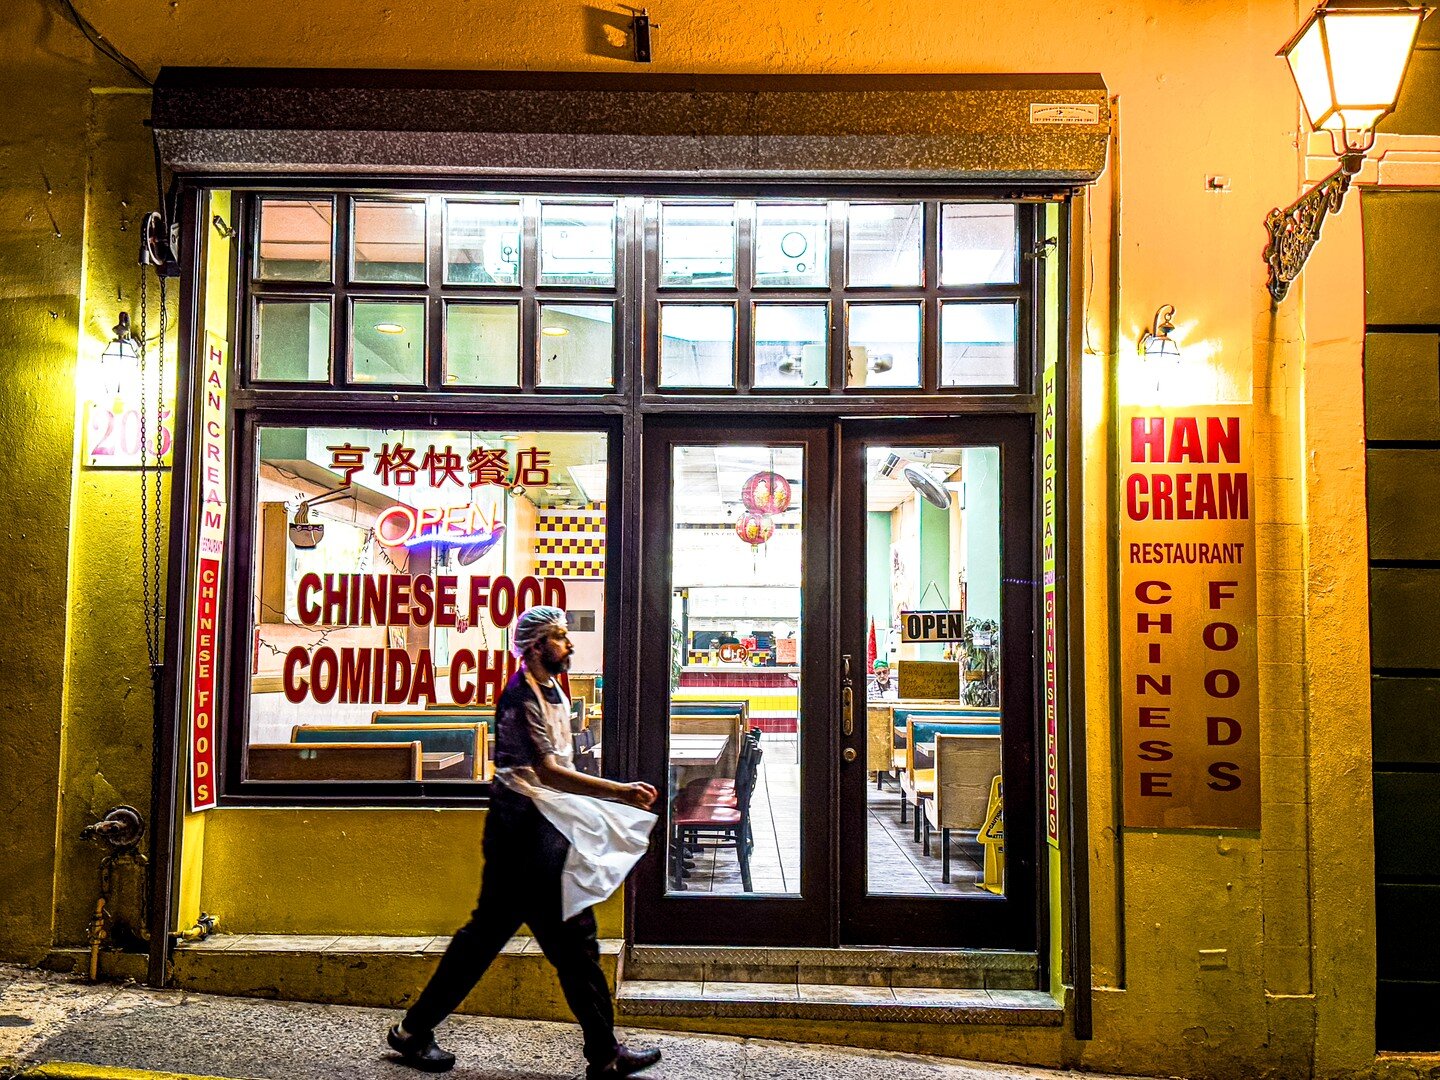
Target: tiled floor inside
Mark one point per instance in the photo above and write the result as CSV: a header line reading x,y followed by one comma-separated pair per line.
x,y
897,864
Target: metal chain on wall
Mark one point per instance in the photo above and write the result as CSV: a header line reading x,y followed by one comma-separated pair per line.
x,y
150,511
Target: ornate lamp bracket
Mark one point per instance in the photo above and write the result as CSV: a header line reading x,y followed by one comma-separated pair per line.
x,y
1294,230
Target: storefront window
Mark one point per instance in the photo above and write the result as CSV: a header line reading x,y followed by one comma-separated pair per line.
x,y
978,244
883,248
482,344
697,245
977,344
292,340
737,575
577,345
577,243
792,345
389,566
883,345
295,239
388,242
792,246
482,243
697,345
389,342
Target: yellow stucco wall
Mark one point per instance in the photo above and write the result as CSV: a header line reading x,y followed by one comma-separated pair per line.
x,y
1199,94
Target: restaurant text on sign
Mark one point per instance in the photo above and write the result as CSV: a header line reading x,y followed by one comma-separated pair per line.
x,y
1189,663
396,465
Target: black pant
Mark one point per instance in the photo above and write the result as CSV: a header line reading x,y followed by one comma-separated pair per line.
x,y
524,857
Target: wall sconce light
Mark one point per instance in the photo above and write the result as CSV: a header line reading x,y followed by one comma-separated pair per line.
x,y
1156,343
117,361
1348,61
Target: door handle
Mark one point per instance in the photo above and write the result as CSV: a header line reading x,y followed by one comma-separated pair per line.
x,y
847,699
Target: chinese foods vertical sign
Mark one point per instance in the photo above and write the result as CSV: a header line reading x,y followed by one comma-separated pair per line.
x,y
214,502
1188,662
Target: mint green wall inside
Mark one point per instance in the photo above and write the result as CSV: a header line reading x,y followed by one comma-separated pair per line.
x,y
981,473
934,567
877,578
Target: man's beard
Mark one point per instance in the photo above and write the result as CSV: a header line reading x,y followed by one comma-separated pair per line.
x,y
555,667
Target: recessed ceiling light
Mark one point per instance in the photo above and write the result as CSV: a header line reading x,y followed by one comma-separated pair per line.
x,y
554,331
510,438
389,328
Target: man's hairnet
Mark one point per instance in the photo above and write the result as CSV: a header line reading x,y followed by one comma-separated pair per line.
x,y
531,627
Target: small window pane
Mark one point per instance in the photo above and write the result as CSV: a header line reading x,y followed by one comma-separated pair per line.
x,y
388,341
482,243
978,244
792,345
884,243
977,344
792,246
292,340
577,244
482,344
295,238
697,345
697,245
577,345
389,241
883,345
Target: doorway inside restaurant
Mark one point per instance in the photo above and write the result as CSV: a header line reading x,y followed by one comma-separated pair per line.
x,y
837,683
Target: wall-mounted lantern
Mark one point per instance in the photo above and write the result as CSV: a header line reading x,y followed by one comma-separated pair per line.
x,y
1348,61
117,362
1156,343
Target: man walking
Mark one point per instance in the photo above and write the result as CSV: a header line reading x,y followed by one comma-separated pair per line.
x,y
524,858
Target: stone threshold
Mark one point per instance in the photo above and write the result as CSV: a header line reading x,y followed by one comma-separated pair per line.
x,y
810,1001
865,966
383,971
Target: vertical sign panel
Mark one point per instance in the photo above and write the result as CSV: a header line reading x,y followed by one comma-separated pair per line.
x,y
214,505
1049,511
1188,661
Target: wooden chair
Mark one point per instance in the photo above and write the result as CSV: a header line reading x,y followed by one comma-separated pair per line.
x,y
471,740
965,765
334,761
702,824
879,744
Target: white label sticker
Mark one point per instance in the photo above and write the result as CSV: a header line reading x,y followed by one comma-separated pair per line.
x,y
1061,113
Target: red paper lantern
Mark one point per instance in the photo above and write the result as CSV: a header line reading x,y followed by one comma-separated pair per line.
x,y
766,493
754,529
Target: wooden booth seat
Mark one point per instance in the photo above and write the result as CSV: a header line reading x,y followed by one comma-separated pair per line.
x,y
720,718
917,779
335,761
438,740
965,766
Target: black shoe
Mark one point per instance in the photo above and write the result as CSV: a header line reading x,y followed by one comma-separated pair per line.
x,y
626,1063
421,1051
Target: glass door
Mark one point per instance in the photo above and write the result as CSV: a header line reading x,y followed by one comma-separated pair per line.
x,y
736,684
938,595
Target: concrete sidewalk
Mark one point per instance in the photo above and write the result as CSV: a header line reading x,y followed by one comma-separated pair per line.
x,y
60,1027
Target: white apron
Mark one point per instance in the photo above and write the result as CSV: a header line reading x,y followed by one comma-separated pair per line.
x,y
606,838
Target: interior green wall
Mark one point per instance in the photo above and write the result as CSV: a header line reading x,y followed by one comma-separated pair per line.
x,y
981,473
877,573
934,566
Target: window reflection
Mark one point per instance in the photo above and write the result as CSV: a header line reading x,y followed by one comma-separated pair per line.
x,y
977,344
388,342
577,345
697,245
482,243
388,242
978,244
792,345
577,243
482,344
792,246
295,239
883,245
292,340
697,344
883,345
